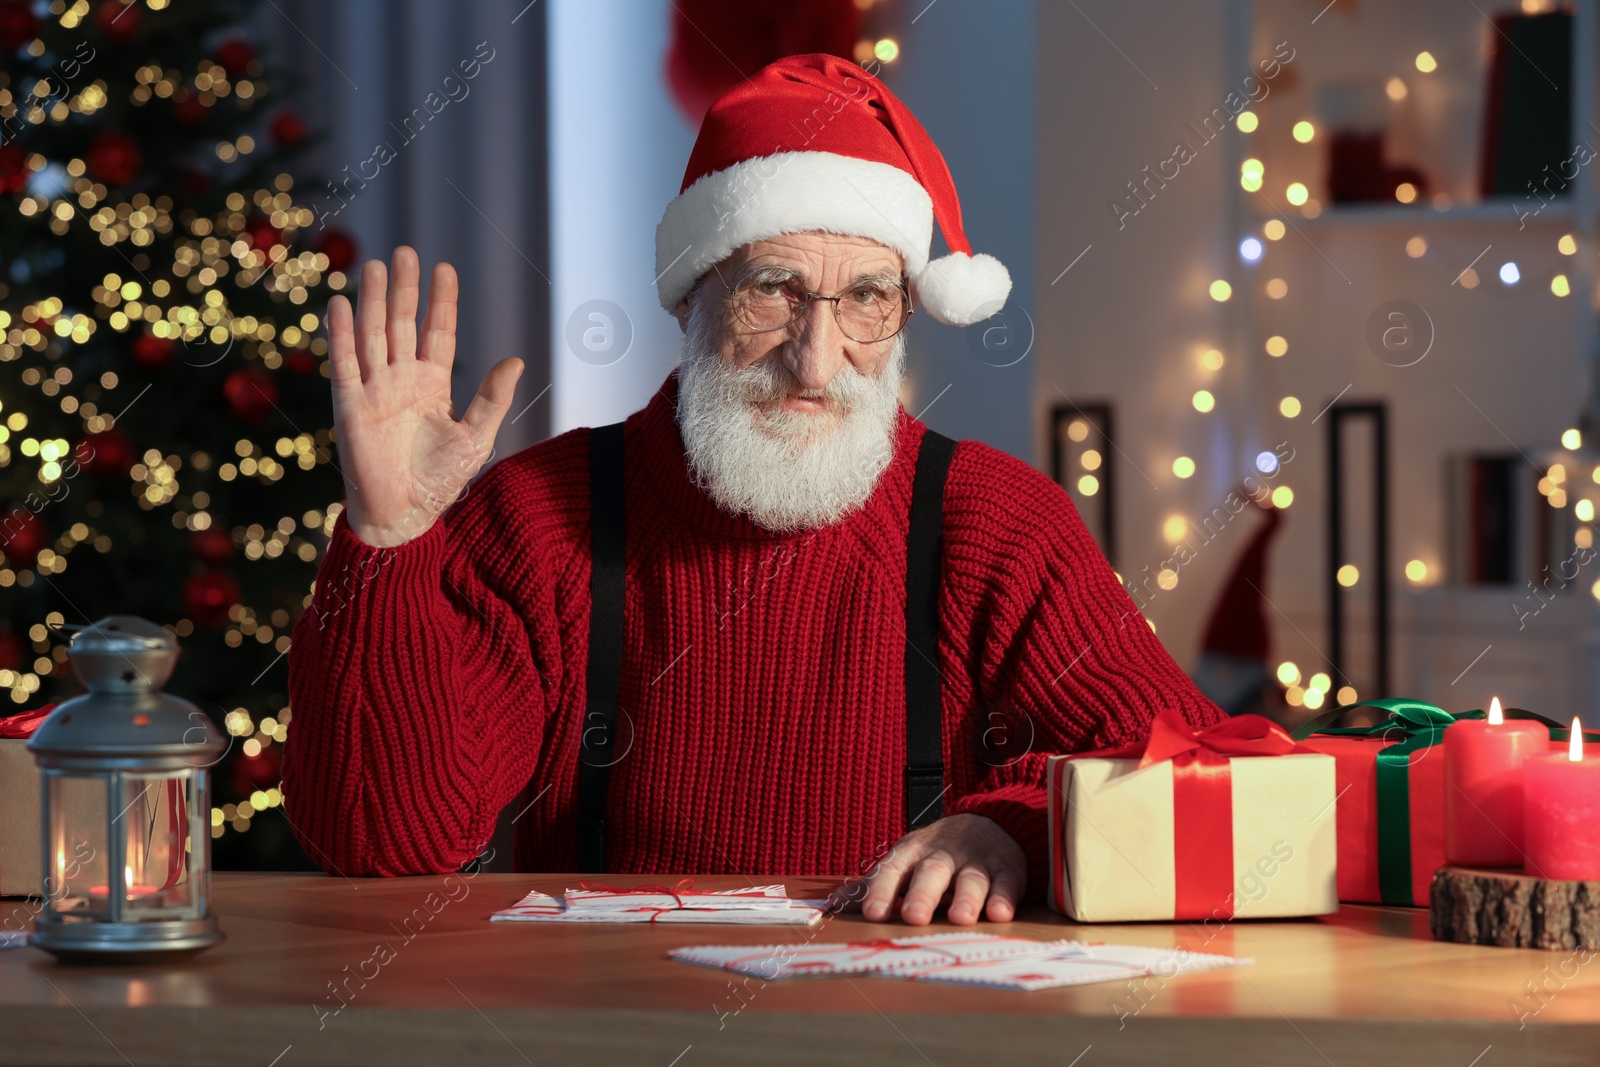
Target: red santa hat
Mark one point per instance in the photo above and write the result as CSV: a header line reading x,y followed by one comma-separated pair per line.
x,y
814,142
1238,625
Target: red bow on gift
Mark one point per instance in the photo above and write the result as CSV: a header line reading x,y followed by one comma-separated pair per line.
x,y
1172,737
25,724
1202,798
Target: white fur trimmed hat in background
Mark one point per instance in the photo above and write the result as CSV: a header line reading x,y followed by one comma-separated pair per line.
x,y
814,142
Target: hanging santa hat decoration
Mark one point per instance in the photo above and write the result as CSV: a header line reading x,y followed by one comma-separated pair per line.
x,y
814,142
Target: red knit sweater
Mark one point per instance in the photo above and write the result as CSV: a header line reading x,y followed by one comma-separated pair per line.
x,y
763,674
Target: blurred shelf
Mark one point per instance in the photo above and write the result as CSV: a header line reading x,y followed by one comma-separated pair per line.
x,y
1488,211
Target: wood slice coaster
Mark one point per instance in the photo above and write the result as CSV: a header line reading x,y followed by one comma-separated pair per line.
x,y
1506,907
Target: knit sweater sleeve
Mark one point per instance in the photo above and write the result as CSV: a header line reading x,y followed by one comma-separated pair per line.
x,y
1054,656
419,687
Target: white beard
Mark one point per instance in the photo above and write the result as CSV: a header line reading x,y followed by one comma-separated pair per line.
x,y
786,470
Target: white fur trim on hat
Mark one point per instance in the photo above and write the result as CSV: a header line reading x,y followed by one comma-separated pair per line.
x,y
791,192
960,290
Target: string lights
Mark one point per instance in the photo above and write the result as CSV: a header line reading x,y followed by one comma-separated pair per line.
x,y
154,241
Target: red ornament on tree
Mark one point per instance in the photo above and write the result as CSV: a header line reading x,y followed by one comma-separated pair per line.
x,y
194,182
191,110
207,596
154,352
262,234
213,544
339,248
13,169
288,129
105,456
251,394
235,54
22,537
115,158
119,21
17,24
299,361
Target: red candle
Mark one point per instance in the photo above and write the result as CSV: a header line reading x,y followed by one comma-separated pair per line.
x,y
101,892
1483,787
1561,795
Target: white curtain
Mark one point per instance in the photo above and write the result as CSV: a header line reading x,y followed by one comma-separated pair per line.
x,y
434,118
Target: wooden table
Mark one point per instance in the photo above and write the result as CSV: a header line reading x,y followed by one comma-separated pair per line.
x,y
1366,986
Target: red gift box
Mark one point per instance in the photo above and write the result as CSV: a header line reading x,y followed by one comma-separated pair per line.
x,y
1391,808
19,805
1355,780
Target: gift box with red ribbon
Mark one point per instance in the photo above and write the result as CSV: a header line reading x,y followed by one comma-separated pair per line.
x,y
20,829
1235,820
1391,795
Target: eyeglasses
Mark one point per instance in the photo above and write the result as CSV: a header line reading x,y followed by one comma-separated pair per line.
x,y
773,298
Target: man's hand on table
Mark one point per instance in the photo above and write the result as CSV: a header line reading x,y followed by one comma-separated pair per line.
x,y
979,864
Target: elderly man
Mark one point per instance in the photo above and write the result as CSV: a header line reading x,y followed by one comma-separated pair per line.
x,y
769,625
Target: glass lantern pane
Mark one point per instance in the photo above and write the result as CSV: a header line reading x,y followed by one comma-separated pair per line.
x,y
199,844
153,822
76,862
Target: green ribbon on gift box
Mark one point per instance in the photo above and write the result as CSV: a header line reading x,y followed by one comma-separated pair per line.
x,y
1415,724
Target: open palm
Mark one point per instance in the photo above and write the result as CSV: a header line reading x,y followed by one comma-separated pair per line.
x,y
403,453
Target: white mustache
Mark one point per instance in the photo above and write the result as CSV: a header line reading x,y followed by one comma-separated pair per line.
x,y
769,381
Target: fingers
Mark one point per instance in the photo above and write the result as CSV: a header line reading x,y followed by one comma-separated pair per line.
x,y
928,883
489,406
439,326
372,348
883,885
1004,894
402,317
344,368
972,889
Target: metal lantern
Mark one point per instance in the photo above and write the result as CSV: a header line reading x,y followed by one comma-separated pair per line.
x,y
127,839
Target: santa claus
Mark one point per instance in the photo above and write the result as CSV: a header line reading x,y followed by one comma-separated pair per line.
x,y
771,624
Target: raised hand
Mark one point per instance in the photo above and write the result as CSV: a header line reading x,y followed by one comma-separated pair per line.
x,y
404,455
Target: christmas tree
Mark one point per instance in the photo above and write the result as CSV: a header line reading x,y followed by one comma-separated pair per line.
x,y
164,403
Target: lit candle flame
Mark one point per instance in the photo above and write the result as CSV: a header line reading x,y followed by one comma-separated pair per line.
x,y
1496,716
127,871
1575,746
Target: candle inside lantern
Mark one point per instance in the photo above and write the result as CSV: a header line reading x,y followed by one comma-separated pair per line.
x,y
1483,805
101,892
1561,794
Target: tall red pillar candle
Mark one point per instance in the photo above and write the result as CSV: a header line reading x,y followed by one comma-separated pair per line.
x,y
1561,812
1483,787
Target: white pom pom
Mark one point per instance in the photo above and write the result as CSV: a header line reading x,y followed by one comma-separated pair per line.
x,y
960,290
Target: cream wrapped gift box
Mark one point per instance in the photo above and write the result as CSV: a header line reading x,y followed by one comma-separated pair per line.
x,y
19,806
1229,822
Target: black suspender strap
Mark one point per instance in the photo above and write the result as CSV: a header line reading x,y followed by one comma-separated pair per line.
x,y
598,736
924,710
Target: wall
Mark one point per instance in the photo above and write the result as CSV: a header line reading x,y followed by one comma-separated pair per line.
x,y
1117,86
977,382
618,146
